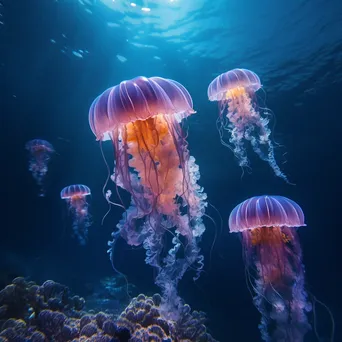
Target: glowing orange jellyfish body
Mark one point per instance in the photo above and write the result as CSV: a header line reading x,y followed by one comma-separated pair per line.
x,y
241,117
142,119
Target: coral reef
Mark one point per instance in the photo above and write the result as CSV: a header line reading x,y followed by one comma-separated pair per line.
x,y
145,321
25,299
49,313
56,326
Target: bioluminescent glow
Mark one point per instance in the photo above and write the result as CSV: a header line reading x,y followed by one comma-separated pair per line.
x,y
75,196
241,119
274,269
141,117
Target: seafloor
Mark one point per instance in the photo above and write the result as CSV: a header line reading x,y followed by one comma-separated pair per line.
x,y
49,312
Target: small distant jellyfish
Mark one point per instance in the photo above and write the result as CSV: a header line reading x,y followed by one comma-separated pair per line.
x,y
274,269
40,154
141,117
240,116
75,195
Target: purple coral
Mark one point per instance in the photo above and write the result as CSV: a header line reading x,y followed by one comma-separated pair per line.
x,y
51,323
89,330
141,321
144,319
38,336
24,299
16,330
110,328
85,320
68,333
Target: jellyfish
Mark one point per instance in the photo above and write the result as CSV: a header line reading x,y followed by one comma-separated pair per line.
x,y
40,154
240,116
274,269
141,117
75,196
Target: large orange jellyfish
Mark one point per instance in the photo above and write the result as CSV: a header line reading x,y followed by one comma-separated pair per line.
x,y
241,117
142,119
274,268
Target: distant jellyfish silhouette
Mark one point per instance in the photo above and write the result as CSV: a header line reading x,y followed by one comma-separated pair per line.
x,y
241,117
40,154
142,119
273,257
75,196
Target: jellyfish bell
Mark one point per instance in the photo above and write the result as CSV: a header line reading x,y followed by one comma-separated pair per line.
x,y
234,85
241,118
273,260
39,145
75,196
268,223
74,193
136,100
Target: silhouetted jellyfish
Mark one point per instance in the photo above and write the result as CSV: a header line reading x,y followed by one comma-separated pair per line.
x,y
241,117
40,154
142,119
75,195
274,266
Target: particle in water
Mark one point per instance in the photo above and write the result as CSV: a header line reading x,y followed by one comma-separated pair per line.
x,y
77,54
121,58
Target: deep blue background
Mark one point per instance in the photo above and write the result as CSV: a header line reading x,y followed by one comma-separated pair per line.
x,y
52,95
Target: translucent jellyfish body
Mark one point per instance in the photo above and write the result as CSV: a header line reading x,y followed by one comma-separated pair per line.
x,y
274,266
40,154
241,118
76,198
152,162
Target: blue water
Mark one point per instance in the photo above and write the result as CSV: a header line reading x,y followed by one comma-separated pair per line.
x,y
57,56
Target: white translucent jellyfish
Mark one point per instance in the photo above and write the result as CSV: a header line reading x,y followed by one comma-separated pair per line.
x,y
241,117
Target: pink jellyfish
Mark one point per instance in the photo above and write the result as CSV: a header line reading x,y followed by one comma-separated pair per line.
x,y
273,257
75,195
40,154
142,119
241,117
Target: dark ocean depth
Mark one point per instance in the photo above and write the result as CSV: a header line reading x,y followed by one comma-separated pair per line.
x,y
57,56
